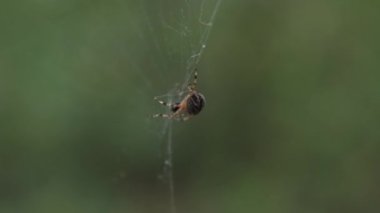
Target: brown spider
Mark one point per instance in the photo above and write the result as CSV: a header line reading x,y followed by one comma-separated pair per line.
x,y
191,105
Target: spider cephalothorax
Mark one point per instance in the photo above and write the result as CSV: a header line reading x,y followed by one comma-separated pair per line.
x,y
192,104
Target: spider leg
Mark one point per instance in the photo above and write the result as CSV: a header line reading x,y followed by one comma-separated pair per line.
x,y
170,105
162,116
193,84
183,117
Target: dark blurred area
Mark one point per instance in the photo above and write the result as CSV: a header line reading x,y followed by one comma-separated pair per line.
x,y
291,122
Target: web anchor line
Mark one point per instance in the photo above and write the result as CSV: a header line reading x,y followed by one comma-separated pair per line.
x,y
194,59
179,89
169,166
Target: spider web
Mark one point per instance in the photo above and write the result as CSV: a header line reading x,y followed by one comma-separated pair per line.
x,y
178,32
78,77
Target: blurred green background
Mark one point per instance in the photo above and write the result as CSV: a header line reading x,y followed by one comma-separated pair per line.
x,y
291,122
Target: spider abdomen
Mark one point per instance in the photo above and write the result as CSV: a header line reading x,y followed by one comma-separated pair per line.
x,y
195,102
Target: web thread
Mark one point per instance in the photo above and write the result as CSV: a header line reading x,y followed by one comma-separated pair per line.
x,y
192,26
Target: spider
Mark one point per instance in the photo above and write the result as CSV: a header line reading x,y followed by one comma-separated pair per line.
x,y
191,104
